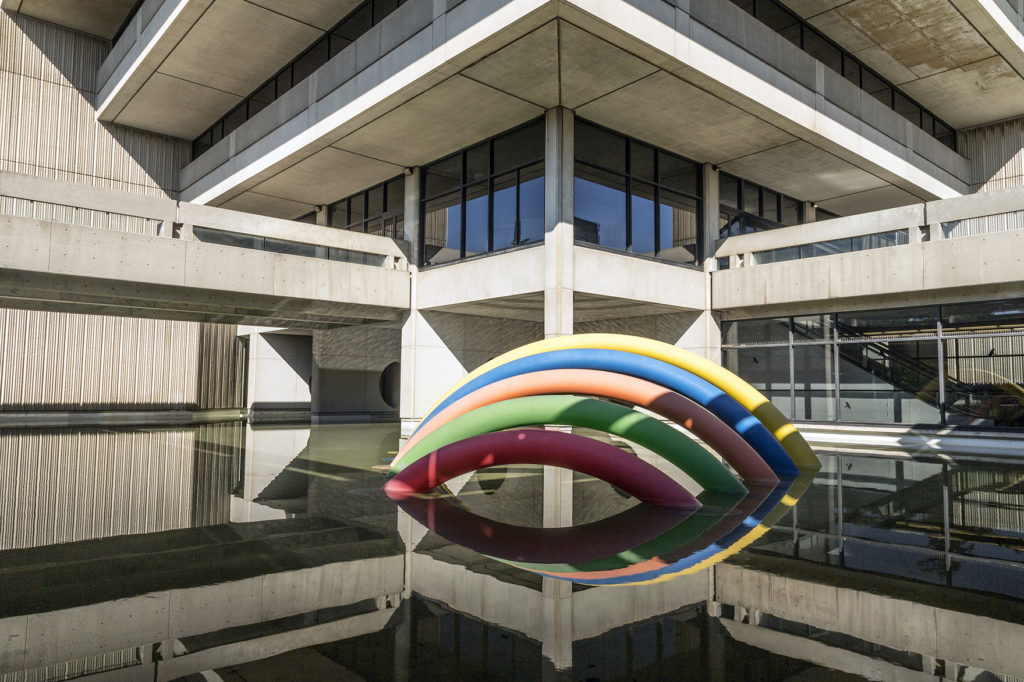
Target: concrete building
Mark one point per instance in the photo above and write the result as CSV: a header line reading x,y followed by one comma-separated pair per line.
x,y
827,198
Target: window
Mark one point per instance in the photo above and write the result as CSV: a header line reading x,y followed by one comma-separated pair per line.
x,y
957,364
633,197
486,198
377,210
746,207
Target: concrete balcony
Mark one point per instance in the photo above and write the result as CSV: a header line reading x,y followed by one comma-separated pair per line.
x,y
962,249
164,270
708,82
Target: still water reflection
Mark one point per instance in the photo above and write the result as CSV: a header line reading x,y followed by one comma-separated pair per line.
x,y
255,554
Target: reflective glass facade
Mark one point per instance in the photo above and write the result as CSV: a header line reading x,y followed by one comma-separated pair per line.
x,y
486,198
378,210
634,197
957,364
746,207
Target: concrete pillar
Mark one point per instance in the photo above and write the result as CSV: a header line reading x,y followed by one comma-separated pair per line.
x,y
323,215
558,222
810,212
709,324
411,217
280,373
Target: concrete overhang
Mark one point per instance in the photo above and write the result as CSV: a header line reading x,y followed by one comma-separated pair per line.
x,y
606,285
182,64
434,81
962,59
99,17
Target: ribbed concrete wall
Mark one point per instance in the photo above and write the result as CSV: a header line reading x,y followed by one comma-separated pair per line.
x,y
56,361
996,153
64,486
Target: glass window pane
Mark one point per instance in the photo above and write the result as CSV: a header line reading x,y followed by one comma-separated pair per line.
x,y
375,201
679,174
476,219
356,24
774,15
814,383
519,147
680,228
293,248
823,51
906,108
600,148
284,81
478,163
851,69
234,119
889,382
642,216
728,191
311,61
769,330
339,214
985,381
504,211
243,241
766,369
751,198
375,226
811,328
985,317
641,161
357,210
531,204
442,229
792,211
443,176
770,204
396,195
600,207
892,322
265,94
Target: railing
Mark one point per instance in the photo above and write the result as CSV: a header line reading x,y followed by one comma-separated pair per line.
x,y
30,196
972,214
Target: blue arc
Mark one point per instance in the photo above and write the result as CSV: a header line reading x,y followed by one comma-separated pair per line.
x,y
702,392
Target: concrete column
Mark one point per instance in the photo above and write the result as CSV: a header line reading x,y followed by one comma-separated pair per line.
x,y
810,212
280,369
708,322
323,215
558,222
411,217
709,216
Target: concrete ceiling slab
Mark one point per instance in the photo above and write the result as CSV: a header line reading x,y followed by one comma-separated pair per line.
x,y
930,50
446,118
227,48
261,204
528,68
685,119
956,92
591,307
591,67
528,307
323,14
803,170
99,17
175,107
870,200
327,176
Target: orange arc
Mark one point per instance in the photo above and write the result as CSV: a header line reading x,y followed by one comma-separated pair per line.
x,y
640,392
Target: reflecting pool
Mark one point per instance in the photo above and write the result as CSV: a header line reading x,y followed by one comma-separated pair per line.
x,y
237,553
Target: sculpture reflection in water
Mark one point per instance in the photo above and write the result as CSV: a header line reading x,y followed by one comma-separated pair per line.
x,y
763,464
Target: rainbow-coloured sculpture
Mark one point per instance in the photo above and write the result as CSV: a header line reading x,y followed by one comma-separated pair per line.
x,y
763,463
